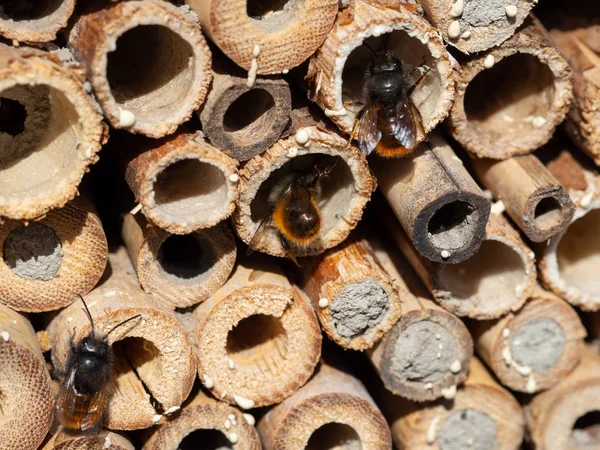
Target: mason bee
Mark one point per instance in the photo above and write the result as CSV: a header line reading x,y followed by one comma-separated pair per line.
x,y
294,210
389,122
82,395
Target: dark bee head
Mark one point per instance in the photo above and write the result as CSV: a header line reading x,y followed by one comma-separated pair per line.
x,y
390,64
92,346
384,79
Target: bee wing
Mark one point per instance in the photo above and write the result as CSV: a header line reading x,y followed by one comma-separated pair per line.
x,y
77,411
260,234
368,134
406,128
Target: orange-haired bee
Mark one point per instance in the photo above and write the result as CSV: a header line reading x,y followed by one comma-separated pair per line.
x,y
389,122
294,210
82,396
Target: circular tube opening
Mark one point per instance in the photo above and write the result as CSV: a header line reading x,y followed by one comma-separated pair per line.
x,y
248,115
424,352
410,51
538,344
334,436
28,10
452,226
578,254
39,135
33,252
190,189
337,189
257,342
272,15
508,112
206,439
151,80
186,258
140,356
468,428
359,307
495,274
548,213
586,431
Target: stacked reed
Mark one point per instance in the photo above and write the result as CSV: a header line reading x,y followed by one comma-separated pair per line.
x,y
465,287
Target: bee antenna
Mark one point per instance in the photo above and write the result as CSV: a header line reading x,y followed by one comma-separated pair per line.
x,y
122,323
87,311
372,51
385,45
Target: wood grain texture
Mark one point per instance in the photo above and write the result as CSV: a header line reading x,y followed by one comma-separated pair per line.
x,y
104,440
60,134
257,337
436,200
26,394
173,67
516,117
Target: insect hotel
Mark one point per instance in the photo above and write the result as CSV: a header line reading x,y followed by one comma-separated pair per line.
x,y
299,225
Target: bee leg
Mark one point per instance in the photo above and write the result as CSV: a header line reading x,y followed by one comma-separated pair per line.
x,y
419,118
419,80
354,127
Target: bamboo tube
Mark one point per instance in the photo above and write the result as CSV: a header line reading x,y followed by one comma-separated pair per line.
x,y
154,367
147,61
510,99
51,131
427,353
566,416
206,423
355,299
266,37
533,198
257,337
534,348
183,183
496,280
105,440
241,119
475,26
568,263
337,69
35,21
333,410
181,270
26,394
344,193
47,264
482,415
436,201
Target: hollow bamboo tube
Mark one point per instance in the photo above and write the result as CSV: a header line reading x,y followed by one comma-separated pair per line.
x,y
355,299
337,68
510,99
568,263
47,264
182,182
35,21
241,119
207,423
154,367
533,198
181,270
534,348
580,48
496,280
333,410
482,415
26,394
475,26
258,339
147,61
266,37
437,202
427,353
105,440
344,193
566,416
50,133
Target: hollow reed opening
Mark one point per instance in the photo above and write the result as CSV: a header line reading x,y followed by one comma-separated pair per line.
x,y
258,342
548,213
19,11
206,439
453,226
251,114
521,98
186,258
190,190
12,116
272,15
334,436
586,431
151,80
